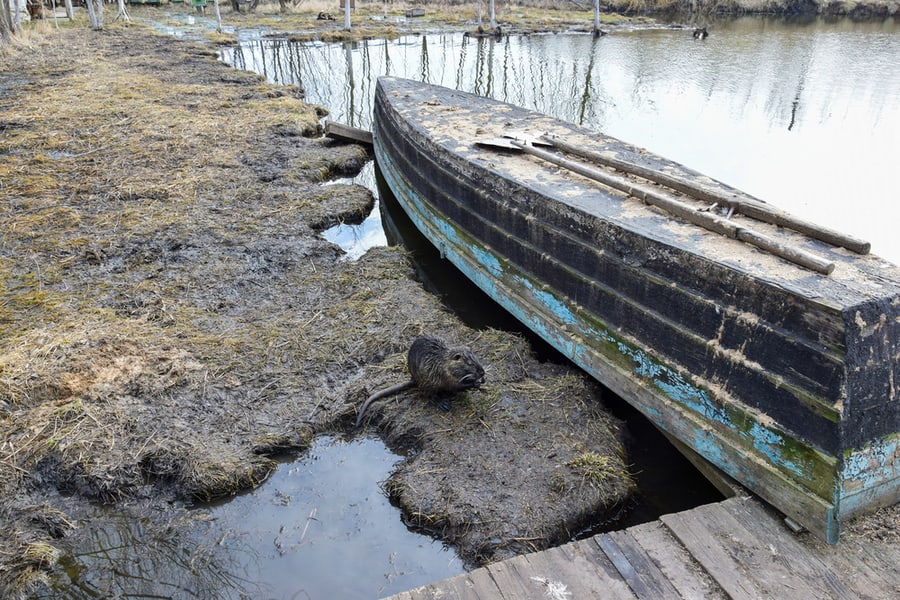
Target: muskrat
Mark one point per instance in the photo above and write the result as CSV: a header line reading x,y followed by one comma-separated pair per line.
x,y
436,370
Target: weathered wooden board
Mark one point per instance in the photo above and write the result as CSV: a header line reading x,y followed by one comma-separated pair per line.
x,y
772,534
715,553
638,570
346,133
683,571
734,549
850,563
513,583
617,587
566,569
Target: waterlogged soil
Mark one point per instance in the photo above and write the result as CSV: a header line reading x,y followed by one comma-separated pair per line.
x,y
171,321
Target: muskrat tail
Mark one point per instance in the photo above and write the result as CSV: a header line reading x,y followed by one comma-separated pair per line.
x,y
394,389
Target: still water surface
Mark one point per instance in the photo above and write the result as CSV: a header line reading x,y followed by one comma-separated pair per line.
x,y
320,527
802,114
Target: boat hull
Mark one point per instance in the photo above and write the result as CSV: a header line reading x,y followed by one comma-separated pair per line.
x,y
780,377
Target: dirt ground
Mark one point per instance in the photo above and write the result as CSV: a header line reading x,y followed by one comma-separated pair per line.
x,y
171,320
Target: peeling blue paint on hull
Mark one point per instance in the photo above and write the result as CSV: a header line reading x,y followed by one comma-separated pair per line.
x,y
582,269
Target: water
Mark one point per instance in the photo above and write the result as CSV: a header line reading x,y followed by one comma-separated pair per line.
x,y
805,115
356,238
320,527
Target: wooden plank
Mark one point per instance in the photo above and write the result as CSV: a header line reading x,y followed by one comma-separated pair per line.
x,y
884,559
692,529
484,585
616,586
786,551
346,133
540,587
564,570
475,585
638,570
850,561
509,580
461,587
683,572
748,557
427,592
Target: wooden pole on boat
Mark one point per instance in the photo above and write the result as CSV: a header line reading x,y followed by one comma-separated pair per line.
x,y
678,208
746,206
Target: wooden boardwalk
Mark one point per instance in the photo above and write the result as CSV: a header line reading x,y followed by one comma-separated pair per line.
x,y
737,548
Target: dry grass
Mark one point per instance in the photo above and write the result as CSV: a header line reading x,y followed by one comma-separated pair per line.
x,y
132,207
170,318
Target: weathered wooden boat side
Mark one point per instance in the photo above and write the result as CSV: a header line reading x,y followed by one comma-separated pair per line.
x,y
784,378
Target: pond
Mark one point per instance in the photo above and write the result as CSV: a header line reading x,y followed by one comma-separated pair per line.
x,y
804,114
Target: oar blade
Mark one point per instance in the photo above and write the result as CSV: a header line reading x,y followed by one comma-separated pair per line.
x,y
504,143
527,138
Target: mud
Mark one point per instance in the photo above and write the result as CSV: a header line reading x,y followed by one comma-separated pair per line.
x,y
171,319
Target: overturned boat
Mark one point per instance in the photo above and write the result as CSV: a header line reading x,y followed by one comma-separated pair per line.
x,y
766,344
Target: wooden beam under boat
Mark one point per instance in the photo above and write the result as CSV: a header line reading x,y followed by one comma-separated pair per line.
x,y
346,133
782,377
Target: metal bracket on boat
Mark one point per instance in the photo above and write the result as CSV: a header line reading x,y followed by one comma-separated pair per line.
x,y
672,205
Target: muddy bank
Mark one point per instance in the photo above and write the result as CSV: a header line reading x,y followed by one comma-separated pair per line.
x,y
171,319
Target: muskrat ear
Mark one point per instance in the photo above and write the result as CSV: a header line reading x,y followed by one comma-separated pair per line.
x,y
457,356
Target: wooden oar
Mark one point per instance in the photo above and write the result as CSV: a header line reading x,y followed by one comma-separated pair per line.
x,y
671,204
745,205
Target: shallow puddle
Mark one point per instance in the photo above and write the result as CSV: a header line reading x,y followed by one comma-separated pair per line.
x,y
356,238
320,527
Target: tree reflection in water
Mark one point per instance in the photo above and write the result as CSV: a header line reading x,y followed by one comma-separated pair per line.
x,y
138,555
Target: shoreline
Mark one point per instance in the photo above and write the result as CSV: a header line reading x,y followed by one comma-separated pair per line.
x,y
172,322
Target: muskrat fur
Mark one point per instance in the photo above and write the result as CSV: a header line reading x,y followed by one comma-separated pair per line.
x,y
435,370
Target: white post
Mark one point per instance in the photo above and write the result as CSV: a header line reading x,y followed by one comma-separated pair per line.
x,y
347,15
493,19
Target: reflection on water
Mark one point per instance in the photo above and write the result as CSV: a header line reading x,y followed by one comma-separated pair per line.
x,y
805,115
355,239
320,527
